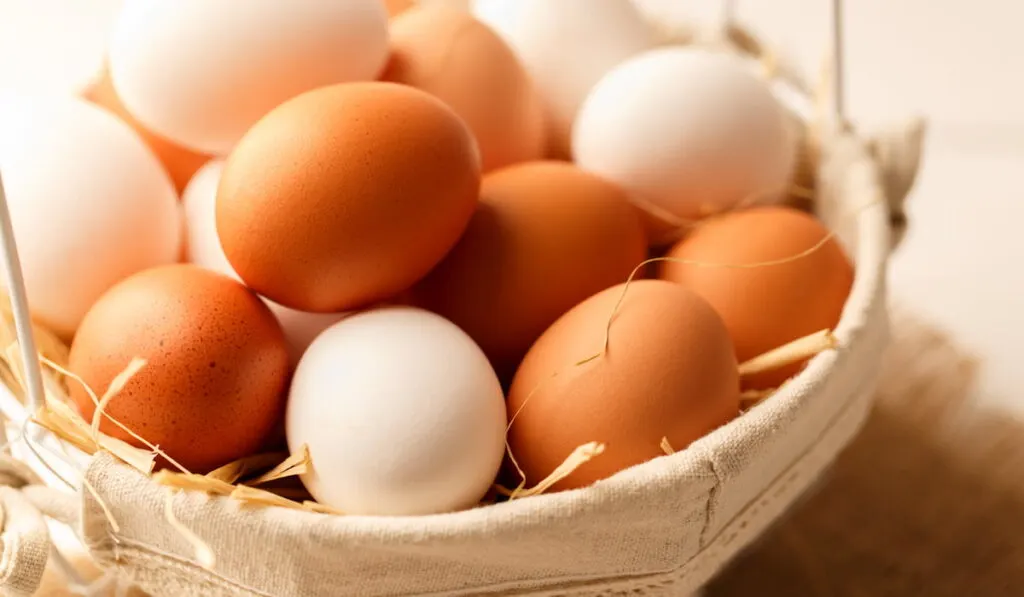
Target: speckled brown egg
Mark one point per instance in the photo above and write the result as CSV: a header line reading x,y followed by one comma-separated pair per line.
x,y
347,195
448,53
765,307
217,364
670,372
545,236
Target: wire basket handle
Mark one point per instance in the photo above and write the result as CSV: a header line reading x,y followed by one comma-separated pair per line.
x,y
20,307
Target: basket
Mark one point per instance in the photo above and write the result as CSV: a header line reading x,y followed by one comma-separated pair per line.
x,y
661,528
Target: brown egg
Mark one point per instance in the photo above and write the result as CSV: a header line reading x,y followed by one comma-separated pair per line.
x,y
670,372
765,307
347,195
397,7
545,236
213,385
179,162
448,53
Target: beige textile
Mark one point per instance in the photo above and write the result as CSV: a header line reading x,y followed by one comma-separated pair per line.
x,y
926,454
663,528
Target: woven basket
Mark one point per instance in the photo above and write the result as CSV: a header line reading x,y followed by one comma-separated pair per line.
x,y
661,528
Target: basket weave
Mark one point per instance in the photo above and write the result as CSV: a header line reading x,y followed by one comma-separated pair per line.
x,y
661,528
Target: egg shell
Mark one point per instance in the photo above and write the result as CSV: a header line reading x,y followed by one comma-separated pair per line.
x,y
53,46
180,163
688,132
301,328
201,73
670,372
765,307
397,7
448,53
89,202
347,195
401,412
204,250
545,236
216,368
566,47
199,200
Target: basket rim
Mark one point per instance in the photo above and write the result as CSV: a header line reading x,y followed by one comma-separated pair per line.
x,y
867,293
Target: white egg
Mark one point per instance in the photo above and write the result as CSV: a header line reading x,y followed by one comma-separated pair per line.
x,y
402,414
567,46
687,132
203,249
53,46
301,328
90,203
199,200
201,73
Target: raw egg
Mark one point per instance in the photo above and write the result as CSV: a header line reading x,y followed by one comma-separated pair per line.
x,y
567,46
204,249
545,236
347,195
448,53
201,73
401,412
199,200
89,202
397,7
181,163
688,133
216,369
53,46
670,372
765,307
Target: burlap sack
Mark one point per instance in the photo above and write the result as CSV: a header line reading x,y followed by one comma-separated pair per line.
x,y
663,528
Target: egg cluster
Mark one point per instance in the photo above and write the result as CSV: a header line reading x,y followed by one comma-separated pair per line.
x,y
400,235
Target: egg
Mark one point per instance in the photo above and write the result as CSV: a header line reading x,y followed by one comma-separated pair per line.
x,y
199,201
765,307
688,132
670,372
545,236
214,381
89,202
401,413
566,47
179,162
53,46
301,327
201,73
397,7
448,53
347,195
204,250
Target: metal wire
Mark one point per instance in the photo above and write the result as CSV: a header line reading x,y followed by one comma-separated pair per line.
x,y
838,64
19,306
728,16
